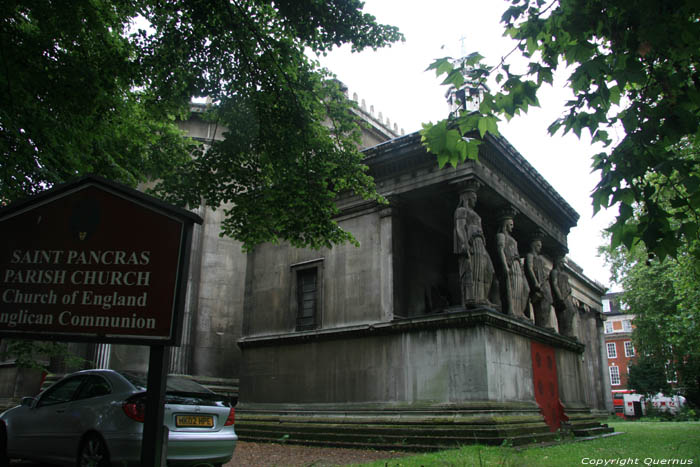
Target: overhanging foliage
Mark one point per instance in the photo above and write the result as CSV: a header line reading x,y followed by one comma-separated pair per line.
x,y
97,87
631,65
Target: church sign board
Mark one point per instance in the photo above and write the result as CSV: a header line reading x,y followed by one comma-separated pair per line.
x,y
94,261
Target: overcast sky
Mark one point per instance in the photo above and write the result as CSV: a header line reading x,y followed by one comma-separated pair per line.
x,y
395,82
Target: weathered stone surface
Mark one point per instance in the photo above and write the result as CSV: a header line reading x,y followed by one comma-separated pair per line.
x,y
453,357
462,376
537,276
567,317
513,285
391,346
474,263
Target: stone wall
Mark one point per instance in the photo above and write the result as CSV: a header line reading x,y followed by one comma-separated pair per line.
x,y
439,359
351,278
216,322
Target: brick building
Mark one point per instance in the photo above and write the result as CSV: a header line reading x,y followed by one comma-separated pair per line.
x,y
618,341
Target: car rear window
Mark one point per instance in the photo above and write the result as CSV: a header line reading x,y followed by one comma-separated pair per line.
x,y
172,384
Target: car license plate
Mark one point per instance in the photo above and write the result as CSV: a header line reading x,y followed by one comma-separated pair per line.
x,y
206,421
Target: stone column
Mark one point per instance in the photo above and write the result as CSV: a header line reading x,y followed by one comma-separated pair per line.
x,y
605,374
389,261
181,356
102,355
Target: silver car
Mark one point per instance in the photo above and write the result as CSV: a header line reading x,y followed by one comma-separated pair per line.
x,y
95,418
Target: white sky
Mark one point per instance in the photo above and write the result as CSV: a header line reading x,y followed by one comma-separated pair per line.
x,y
395,82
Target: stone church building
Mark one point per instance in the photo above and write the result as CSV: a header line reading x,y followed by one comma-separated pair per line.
x,y
388,343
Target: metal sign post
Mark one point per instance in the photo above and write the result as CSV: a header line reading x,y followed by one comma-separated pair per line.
x,y
152,442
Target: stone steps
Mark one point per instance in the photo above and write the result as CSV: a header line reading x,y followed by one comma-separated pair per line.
x,y
593,431
405,442
395,430
584,424
411,428
409,436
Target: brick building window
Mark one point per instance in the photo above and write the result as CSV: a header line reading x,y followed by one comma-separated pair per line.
x,y
629,349
626,325
608,327
614,376
612,351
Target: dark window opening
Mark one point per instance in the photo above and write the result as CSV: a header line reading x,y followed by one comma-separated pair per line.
x,y
307,298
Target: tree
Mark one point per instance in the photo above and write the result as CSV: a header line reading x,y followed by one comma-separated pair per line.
x,y
630,65
664,295
648,376
68,104
97,88
38,355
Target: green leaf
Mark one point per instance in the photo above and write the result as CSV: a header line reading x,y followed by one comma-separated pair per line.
x,y
625,196
492,125
468,123
473,58
442,66
440,62
483,126
454,78
473,149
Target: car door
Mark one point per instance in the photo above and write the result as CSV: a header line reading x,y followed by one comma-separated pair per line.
x,y
45,432
91,404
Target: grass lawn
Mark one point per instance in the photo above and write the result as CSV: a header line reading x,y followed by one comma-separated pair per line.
x,y
643,443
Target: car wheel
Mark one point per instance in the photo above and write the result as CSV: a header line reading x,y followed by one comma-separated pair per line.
x,y
4,460
93,452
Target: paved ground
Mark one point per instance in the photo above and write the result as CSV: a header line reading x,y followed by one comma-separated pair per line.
x,y
289,455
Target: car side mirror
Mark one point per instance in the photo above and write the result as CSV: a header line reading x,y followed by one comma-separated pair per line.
x,y
28,402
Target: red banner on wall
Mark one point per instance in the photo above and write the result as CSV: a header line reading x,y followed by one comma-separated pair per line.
x,y
544,369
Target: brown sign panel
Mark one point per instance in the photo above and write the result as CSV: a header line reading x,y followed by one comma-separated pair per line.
x,y
94,261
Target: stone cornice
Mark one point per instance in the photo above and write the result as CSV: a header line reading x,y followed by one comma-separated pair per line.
x,y
499,162
455,317
526,169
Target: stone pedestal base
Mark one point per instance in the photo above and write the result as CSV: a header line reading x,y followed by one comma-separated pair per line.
x,y
423,383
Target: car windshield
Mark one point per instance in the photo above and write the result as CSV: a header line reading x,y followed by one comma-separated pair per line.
x,y
173,383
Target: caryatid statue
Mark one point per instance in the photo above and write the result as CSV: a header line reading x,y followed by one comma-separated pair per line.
x,y
475,267
537,276
563,302
514,288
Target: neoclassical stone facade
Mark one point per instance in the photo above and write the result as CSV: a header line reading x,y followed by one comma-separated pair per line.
x,y
391,336
395,332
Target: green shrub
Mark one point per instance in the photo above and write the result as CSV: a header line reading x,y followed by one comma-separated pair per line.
x,y
687,414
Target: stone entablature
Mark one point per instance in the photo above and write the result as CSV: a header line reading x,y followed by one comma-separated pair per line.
x,y
451,318
403,165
